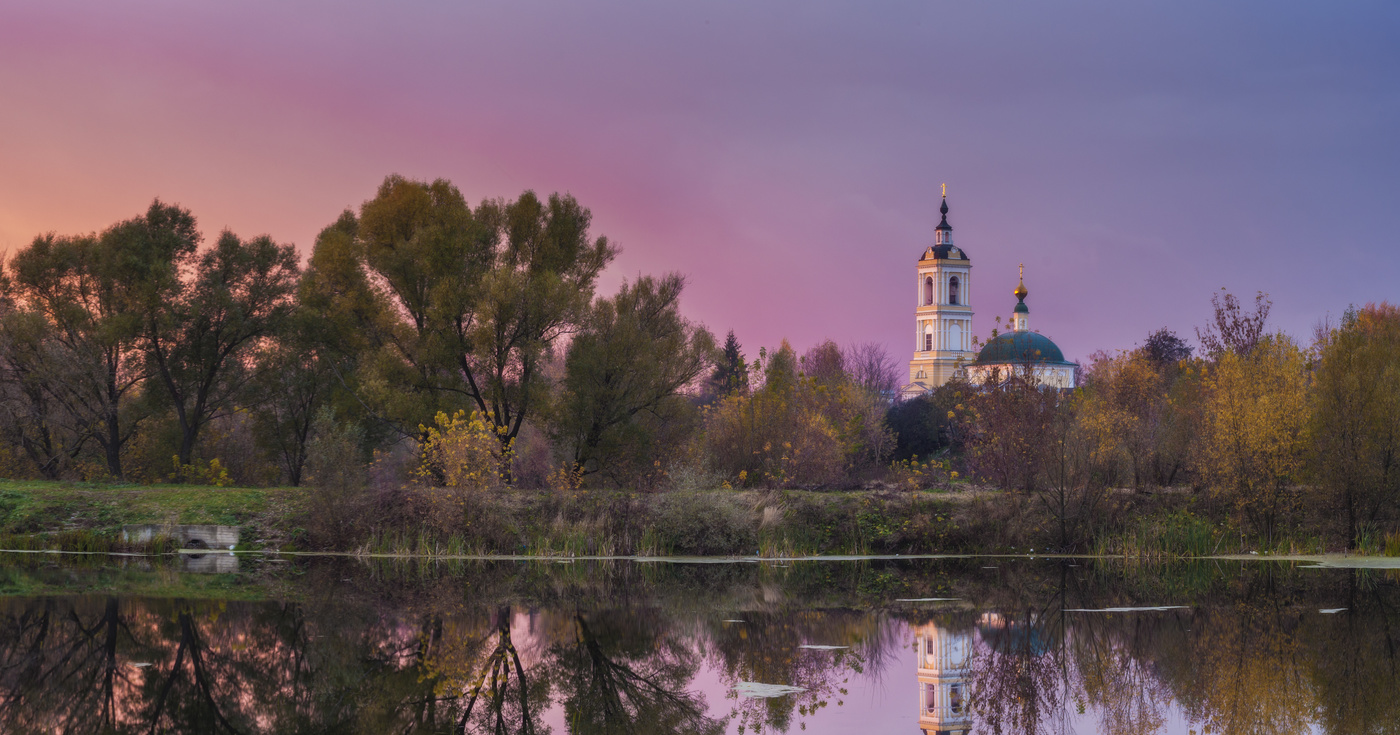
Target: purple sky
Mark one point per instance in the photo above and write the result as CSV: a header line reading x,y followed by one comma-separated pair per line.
x,y
785,156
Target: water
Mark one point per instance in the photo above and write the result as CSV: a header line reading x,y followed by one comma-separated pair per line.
x,y
985,645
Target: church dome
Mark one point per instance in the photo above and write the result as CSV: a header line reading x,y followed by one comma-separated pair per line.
x,y
1017,347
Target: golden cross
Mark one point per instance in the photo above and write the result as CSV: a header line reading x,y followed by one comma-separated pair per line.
x,y
1021,272
945,191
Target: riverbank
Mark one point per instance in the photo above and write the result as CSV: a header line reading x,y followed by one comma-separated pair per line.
x,y
438,523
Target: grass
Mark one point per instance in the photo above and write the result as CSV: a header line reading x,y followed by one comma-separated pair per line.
x,y
49,508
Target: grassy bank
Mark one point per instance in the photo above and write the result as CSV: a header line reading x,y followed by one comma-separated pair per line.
x,y
434,522
89,517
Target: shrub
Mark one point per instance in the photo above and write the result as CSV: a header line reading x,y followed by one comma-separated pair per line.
x,y
463,452
703,523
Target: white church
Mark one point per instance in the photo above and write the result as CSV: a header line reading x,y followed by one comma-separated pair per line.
x,y
944,345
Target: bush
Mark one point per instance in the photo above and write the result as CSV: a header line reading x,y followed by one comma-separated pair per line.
x,y
703,523
463,452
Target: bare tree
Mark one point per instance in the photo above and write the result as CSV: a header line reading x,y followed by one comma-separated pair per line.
x,y
870,366
1233,330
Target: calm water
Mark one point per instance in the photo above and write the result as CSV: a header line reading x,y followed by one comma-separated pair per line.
x,y
984,645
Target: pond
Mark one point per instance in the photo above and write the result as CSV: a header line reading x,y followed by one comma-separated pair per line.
x,y
254,644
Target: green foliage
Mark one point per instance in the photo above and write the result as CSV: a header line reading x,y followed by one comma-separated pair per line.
x,y
623,410
927,425
440,305
1174,535
731,373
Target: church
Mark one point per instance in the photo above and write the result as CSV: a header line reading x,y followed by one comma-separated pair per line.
x,y
943,337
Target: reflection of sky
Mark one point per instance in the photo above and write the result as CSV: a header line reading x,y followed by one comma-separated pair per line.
x,y
786,156
884,702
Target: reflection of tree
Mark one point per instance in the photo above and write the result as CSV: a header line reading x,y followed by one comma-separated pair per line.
x,y
1017,675
1355,663
198,710
1019,680
1117,672
618,676
59,672
509,703
1245,675
767,649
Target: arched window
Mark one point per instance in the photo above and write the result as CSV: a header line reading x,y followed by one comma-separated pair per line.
x,y
928,341
928,291
953,290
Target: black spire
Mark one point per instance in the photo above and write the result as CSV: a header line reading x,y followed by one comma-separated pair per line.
x,y
944,209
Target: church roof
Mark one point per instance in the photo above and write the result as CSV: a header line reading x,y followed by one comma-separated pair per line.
x,y
947,251
1018,347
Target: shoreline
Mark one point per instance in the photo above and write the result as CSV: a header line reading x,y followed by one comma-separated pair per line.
x,y
1322,561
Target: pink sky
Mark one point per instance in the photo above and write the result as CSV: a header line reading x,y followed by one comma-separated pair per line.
x,y
785,156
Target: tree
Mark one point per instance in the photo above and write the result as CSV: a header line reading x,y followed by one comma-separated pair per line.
x,y
1256,413
201,336
631,361
91,291
453,307
1233,330
928,424
731,373
1165,349
870,366
1127,399
1009,418
1355,426
294,379
31,369
824,363
795,428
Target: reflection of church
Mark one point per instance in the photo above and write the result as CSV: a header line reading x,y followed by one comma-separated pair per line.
x,y
943,658
943,339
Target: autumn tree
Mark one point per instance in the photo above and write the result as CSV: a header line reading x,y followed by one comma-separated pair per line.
x,y
1354,434
796,428
451,307
824,363
626,375
1007,421
1253,439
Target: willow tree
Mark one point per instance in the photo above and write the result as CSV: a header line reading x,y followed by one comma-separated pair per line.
x,y
446,306
91,293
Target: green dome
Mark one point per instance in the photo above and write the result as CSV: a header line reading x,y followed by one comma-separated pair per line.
x,y
1015,347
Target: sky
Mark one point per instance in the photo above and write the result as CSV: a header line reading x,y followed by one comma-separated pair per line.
x,y
785,156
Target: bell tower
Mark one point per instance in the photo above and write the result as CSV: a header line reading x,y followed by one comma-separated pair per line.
x,y
943,311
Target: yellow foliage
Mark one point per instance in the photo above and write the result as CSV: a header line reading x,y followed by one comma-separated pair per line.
x,y
1256,414
463,451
